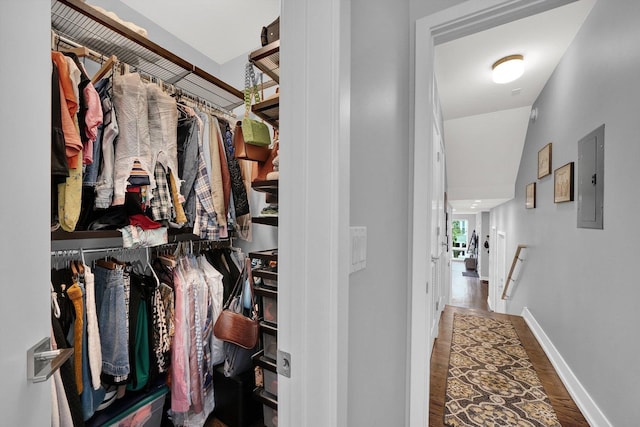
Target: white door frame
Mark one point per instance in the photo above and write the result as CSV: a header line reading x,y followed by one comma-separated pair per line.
x,y
458,21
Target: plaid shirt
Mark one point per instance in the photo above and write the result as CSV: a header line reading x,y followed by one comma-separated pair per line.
x,y
205,225
161,206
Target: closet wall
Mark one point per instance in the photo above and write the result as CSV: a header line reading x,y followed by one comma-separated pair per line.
x,y
24,217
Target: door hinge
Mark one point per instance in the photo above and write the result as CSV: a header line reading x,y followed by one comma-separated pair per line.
x,y
427,287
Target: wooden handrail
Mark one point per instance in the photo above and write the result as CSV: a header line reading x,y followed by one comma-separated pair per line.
x,y
516,258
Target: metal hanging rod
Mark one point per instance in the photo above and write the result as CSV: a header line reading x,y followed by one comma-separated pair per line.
x,y
170,86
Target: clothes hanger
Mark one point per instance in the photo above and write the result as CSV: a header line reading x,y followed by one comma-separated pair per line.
x,y
105,263
80,51
106,67
153,272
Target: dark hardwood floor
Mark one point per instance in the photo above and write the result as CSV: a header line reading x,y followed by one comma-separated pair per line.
x,y
470,296
467,292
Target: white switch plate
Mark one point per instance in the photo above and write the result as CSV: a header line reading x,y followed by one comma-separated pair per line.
x,y
358,248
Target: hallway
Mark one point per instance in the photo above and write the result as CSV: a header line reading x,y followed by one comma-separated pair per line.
x,y
469,296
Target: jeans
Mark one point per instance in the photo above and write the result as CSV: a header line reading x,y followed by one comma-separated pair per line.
x,y
188,134
130,103
109,133
112,321
163,122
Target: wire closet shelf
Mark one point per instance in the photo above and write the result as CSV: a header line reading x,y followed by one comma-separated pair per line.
x,y
81,23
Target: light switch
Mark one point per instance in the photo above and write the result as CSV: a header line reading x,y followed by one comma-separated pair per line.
x,y
358,248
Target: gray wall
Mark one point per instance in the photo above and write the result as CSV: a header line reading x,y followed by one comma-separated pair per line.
x,y
24,220
483,228
380,144
581,285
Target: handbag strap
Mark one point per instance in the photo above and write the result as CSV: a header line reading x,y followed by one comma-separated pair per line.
x,y
235,291
238,288
250,88
254,306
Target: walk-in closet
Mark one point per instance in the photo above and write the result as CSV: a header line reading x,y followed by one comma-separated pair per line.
x,y
164,215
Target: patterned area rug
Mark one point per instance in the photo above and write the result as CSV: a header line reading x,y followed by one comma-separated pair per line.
x,y
491,381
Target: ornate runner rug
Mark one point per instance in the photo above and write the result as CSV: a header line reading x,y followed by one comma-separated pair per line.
x,y
491,381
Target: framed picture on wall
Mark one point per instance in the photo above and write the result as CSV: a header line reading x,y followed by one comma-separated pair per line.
x,y
563,184
530,199
544,161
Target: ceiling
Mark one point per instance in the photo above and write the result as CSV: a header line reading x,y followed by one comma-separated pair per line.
x,y
220,29
486,123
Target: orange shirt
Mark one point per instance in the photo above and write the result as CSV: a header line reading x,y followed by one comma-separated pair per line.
x,y
68,108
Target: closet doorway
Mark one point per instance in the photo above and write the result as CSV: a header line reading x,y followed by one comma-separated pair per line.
x,y
449,24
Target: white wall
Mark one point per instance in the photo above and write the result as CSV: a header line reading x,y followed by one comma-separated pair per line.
x,y
24,220
379,196
580,284
159,35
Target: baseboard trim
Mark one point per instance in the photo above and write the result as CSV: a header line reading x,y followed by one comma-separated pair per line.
x,y
589,409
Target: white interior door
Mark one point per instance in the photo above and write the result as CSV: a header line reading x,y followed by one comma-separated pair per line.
x,y
438,249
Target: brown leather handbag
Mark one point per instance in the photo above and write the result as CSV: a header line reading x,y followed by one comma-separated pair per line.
x,y
244,151
233,326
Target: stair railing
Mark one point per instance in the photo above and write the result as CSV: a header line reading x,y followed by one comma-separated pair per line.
x,y
510,278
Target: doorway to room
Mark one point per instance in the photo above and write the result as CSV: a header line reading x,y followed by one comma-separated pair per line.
x,y
459,239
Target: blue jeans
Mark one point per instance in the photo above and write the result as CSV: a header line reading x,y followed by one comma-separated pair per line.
x,y
188,134
110,306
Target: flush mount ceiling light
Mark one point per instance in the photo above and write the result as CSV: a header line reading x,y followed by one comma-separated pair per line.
x,y
508,69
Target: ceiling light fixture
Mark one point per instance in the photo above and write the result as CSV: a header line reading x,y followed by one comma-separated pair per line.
x,y
508,69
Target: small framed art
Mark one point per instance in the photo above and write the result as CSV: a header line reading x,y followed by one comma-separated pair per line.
x,y
530,200
544,161
563,183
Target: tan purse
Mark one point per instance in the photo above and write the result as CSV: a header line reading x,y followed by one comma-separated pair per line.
x,y
233,326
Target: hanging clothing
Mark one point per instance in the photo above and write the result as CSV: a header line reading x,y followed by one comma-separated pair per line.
x,y
163,123
188,135
112,320
224,166
69,108
59,164
205,224
93,330
216,182
130,101
238,188
110,131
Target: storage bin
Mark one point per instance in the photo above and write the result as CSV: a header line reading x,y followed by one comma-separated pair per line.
x,y
269,340
270,416
269,276
269,374
147,413
269,408
269,309
270,382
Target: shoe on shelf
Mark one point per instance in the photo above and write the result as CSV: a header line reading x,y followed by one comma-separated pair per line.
x,y
270,210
